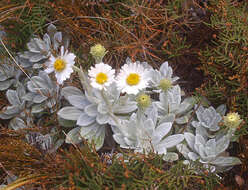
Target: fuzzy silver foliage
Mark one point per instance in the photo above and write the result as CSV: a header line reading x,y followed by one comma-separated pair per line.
x,y
144,133
92,111
8,74
165,72
204,145
39,50
17,111
208,118
43,93
171,107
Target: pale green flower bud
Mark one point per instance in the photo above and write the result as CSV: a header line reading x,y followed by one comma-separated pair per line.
x,y
232,120
165,84
98,52
143,101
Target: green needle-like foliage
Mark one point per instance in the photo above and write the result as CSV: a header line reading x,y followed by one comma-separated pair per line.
x,y
225,60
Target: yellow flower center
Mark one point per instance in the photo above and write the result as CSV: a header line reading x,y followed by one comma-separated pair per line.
x,y
133,79
101,78
59,65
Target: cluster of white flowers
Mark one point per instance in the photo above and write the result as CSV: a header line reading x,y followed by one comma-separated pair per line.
x,y
132,78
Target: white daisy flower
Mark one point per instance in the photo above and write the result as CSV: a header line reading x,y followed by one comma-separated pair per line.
x,y
132,78
101,75
61,65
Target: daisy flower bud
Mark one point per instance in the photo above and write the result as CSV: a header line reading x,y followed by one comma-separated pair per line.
x,y
165,84
143,101
98,52
232,120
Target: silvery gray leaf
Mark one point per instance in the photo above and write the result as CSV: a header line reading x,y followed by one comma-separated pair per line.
x,y
102,118
174,98
47,79
167,118
29,96
89,131
102,108
12,97
20,90
210,148
94,131
226,161
85,120
39,98
3,74
186,105
202,131
35,45
17,123
182,120
199,140
36,83
190,139
163,129
152,113
36,57
172,140
166,70
202,153
222,144
47,41
12,110
221,109
69,91
170,157
51,29
73,137
38,108
164,104
129,107
78,101
69,113
193,156
183,149
37,66
99,138
24,62
160,149
57,40
6,84
66,42
208,118
6,116
91,110
119,139
149,127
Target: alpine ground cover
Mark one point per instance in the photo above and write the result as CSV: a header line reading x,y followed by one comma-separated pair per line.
x,y
191,36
